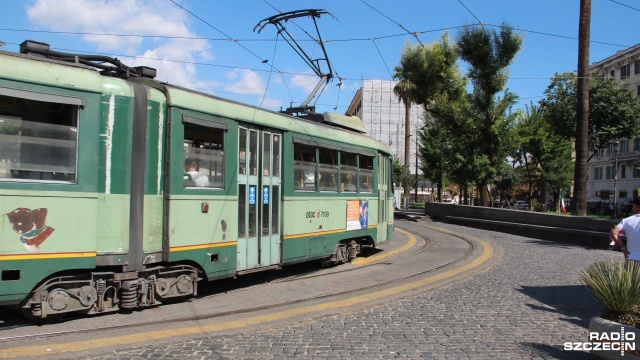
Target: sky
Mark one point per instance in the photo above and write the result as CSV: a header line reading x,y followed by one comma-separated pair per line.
x,y
213,46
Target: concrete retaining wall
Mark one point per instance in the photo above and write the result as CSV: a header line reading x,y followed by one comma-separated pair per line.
x,y
575,229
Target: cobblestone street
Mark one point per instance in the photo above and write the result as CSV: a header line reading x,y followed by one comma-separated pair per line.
x,y
526,306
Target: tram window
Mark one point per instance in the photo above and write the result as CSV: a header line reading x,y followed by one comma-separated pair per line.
x,y
304,167
266,154
242,214
253,153
38,140
203,156
348,171
275,210
242,156
328,168
366,173
276,155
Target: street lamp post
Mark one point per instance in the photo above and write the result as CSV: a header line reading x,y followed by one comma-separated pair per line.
x,y
416,191
615,144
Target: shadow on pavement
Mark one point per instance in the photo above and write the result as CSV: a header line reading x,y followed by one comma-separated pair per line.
x,y
574,302
556,352
567,244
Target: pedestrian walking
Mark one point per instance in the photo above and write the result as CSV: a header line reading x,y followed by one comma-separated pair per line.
x,y
631,227
612,244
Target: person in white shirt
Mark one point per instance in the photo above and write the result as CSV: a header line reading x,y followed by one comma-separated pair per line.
x,y
191,168
631,227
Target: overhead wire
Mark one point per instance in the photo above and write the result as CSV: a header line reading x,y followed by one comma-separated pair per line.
x,y
315,42
619,3
470,12
282,73
273,59
382,57
415,34
220,31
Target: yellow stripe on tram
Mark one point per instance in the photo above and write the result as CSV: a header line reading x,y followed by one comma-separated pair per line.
x,y
48,256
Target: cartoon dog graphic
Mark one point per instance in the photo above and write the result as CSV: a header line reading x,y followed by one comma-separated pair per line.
x,y
30,225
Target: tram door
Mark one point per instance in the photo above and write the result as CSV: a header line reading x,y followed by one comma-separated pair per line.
x,y
383,186
259,194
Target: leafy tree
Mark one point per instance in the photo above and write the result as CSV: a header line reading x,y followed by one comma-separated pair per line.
x,y
614,111
489,53
401,175
428,70
423,73
546,154
505,181
436,143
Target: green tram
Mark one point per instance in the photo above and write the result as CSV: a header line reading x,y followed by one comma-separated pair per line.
x,y
120,192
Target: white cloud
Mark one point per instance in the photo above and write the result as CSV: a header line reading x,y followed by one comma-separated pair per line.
x,y
137,17
273,104
305,82
249,82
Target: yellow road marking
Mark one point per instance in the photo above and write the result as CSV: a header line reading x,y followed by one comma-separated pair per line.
x,y
412,241
487,253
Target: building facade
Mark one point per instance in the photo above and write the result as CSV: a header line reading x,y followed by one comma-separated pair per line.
x,y
383,115
613,172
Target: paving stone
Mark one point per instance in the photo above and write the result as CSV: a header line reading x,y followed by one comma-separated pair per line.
x,y
525,307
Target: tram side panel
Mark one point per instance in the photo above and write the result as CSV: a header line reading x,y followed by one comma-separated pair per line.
x,y
314,226
201,218
48,173
119,173
316,221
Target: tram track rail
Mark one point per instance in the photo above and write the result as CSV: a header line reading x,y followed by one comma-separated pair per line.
x,y
462,257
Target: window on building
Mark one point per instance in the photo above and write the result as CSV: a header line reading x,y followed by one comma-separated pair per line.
x,y
623,171
636,67
599,153
38,138
609,172
598,173
636,144
624,146
635,172
625,71
612,73
623,194
203,154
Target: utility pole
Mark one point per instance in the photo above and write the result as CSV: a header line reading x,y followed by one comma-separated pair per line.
x,y
407,142
416,164
579,203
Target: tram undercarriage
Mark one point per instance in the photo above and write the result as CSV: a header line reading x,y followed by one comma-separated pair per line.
x,y
103,292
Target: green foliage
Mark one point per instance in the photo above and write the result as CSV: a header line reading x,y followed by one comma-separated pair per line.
x,y
542,152
401,175
614,111
425,71
489,54
616,285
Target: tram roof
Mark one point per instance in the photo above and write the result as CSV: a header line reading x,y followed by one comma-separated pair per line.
x,y
39,70
211,104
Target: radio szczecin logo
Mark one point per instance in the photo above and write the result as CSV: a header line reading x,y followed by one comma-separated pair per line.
x,y
614,341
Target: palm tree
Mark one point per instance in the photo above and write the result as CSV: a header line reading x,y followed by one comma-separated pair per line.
x,y
403,91
579,205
